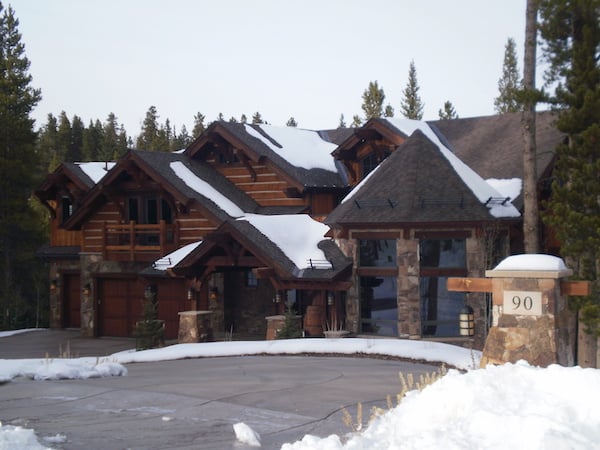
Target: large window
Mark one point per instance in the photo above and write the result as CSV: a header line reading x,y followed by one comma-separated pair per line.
x,y
378,289
148,210
440,259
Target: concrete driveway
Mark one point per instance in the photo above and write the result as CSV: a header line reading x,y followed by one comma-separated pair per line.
x,y
194,403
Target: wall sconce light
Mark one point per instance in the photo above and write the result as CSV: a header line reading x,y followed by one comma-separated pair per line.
x,y
330,298
191,292
53,285
466,321
213,293
150,291
87,289
277,298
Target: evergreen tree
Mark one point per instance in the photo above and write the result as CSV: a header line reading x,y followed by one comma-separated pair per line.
x,y
291,122
64,137
111,147
199,125
150,128
92,142
342,123
257,118
47,146
356,121
570,31
510,83
389,111
77,129
373,98
21,228
232,119
411,105
220,117
181,140
243,119
448,112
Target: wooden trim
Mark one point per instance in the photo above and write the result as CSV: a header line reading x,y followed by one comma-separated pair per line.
x,y
443,272
469,284
397,234
377,271
449,234
575,287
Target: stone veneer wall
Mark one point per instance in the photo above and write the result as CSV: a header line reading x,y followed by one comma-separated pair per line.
x,y
55,303
350,249
409,309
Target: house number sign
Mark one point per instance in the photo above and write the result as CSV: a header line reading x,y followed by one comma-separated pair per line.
x,y
522,303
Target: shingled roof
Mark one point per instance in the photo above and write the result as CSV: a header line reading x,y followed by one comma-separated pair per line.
x,y
416,184
261,142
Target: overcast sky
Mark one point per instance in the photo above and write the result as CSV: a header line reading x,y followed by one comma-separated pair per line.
x,y
310,59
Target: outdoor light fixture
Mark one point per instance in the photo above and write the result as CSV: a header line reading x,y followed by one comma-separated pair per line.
x,y
330,298
149,291
466,321
277,298
213,294
87,289
190,293
53,285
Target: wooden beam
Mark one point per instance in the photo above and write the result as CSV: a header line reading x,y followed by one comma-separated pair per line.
x,y
575,287
469,284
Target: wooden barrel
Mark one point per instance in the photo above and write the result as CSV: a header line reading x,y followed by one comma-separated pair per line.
x,y
313,321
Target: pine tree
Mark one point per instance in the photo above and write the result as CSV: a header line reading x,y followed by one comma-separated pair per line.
x,y
111,143
373,98
47,145
21,230
356,121
389,111
291,122
181,140
152,136
64,137
199,125
77,129
257,118
92,141
342,122
448,112
510,83
411,105
570,31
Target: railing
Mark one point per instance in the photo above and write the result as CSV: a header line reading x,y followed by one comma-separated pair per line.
x,y
134,241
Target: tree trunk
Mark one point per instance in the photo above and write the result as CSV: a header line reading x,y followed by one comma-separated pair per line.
x,y
530,197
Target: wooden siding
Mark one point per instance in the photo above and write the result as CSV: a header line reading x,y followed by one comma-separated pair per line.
x,y
260,183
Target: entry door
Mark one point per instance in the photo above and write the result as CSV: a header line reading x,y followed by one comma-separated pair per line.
x,y
71,302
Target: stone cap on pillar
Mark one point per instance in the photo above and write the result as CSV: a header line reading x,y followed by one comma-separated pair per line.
x,y
530,266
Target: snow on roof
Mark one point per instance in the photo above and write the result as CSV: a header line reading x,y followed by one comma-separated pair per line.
x,y
532,262
95,170
301,148
205,189
510,187
296,235
357,188
482,190
173,258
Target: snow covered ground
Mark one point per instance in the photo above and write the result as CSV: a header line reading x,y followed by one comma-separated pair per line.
x,y
509,406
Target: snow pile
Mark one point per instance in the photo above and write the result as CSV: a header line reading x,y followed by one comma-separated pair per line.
x,y
60,369
12,437
509,406
508,187
246,435
532,261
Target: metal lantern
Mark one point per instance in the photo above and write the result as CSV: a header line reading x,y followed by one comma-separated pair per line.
x,y
466,321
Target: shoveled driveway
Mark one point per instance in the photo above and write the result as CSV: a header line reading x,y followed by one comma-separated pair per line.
x,y
194,403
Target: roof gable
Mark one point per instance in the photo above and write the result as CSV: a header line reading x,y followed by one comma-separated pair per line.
x,y
422,181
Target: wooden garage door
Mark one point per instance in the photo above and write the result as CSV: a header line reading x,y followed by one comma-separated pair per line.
x,y
71,302
119,306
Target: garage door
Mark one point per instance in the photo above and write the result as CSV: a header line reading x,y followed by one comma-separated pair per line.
x,y
71,302
119,306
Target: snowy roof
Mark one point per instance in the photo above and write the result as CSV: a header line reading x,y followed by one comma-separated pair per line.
x,y
296,235
95,170
301,148
173,258
482,190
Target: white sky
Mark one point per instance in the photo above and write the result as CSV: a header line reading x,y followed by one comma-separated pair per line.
x,y
309,59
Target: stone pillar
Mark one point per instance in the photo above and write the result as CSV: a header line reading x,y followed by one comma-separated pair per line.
x,y
195,326
532,320
409,309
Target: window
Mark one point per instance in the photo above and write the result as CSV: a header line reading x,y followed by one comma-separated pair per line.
x,y
379,305
370,162
440,259
66,209
148,210
377,252
251,280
